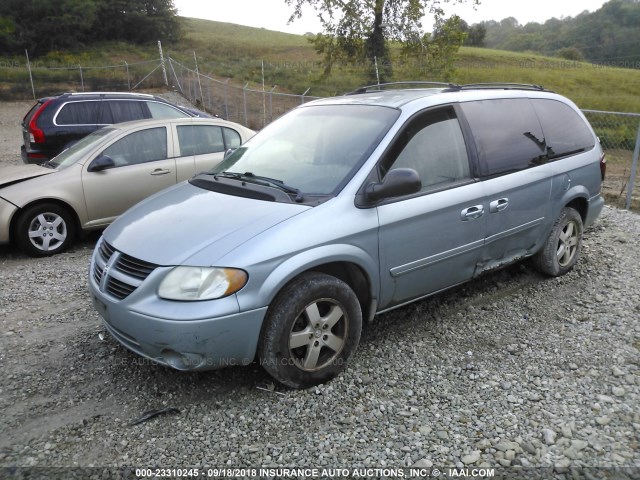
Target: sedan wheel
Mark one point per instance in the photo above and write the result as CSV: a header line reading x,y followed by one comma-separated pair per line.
x,y
43,230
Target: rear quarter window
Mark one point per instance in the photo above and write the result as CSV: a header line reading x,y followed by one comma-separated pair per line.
x,y
78,113
161,110
565,131
507,134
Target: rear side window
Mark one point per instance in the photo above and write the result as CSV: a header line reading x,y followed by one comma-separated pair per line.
x,y
507,134
117,111
200,139
161,110
78,113
565,131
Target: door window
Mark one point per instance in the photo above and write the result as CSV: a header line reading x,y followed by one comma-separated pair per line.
x,y
231,138
433,145
139,147
200,139
117,111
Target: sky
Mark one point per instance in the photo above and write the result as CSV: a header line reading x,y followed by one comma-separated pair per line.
x,y
274,14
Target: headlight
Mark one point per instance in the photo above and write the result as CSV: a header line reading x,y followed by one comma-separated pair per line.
x,y
201,283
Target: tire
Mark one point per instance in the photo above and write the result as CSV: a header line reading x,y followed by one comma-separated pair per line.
x,y
45,229
311,331
562,248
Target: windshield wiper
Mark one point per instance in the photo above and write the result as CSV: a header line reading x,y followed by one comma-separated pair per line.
x,y
266,181
48,164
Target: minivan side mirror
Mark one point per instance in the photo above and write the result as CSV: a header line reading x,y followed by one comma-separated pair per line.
x,y
397,182
228,152
101,163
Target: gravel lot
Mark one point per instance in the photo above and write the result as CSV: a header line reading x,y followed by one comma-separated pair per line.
x,y
513,370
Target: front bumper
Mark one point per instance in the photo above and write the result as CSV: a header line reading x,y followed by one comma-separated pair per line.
x,y
191,336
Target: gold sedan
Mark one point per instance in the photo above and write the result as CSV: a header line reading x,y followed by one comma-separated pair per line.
x,y
44,207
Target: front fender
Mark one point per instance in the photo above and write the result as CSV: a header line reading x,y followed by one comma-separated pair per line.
x,y
310,259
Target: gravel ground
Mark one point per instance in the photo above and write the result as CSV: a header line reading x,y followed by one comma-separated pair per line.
x,y
513,370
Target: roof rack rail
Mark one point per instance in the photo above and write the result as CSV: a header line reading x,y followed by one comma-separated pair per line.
x,y
133,94
503,85
381,86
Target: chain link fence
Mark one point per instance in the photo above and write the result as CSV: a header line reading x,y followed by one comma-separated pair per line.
x,y
619,133
250,107
33,80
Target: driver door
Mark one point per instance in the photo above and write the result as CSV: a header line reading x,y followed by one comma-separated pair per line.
x,y
141,169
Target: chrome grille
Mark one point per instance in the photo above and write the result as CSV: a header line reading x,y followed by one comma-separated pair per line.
x,y
125,274
119,289
134,267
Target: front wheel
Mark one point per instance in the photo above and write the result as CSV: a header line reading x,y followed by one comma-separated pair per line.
x,y
44,229
311,330
562,249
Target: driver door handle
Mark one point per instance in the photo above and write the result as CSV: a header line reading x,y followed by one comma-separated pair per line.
x,y
160,171
498,205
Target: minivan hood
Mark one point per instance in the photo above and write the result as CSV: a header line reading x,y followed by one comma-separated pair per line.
x,y
174,227
19,173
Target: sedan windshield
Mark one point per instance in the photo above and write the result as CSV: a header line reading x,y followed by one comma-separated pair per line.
x,y
78,150
313,150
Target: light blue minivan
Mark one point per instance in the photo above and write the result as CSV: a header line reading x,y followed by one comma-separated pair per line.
x,y
342,209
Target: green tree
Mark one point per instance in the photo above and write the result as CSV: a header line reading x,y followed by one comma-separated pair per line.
x,y
42,25
356,30
136,21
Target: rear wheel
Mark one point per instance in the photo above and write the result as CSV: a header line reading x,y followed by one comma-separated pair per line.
x,y
44,229
312,329
562,248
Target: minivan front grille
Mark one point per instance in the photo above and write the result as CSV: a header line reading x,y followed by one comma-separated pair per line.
x,y
124,273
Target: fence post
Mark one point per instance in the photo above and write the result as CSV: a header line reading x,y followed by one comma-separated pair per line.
x,y
81,78
634,167
30,76
271,103
226,99
305,92
164,70
244,98
126,65
198,75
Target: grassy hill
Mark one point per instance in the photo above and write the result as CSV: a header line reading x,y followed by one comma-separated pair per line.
x,y
226,50
236,51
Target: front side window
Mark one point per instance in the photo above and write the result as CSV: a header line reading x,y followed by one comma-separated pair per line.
x,y
231,138
139,147
565,131
200,139
314,149
78,113
507,134
432,144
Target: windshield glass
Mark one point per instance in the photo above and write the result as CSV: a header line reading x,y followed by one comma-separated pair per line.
x,y
313,149
79,149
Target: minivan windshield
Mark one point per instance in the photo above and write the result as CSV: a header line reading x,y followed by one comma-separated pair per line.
x,y
313,149
78,150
